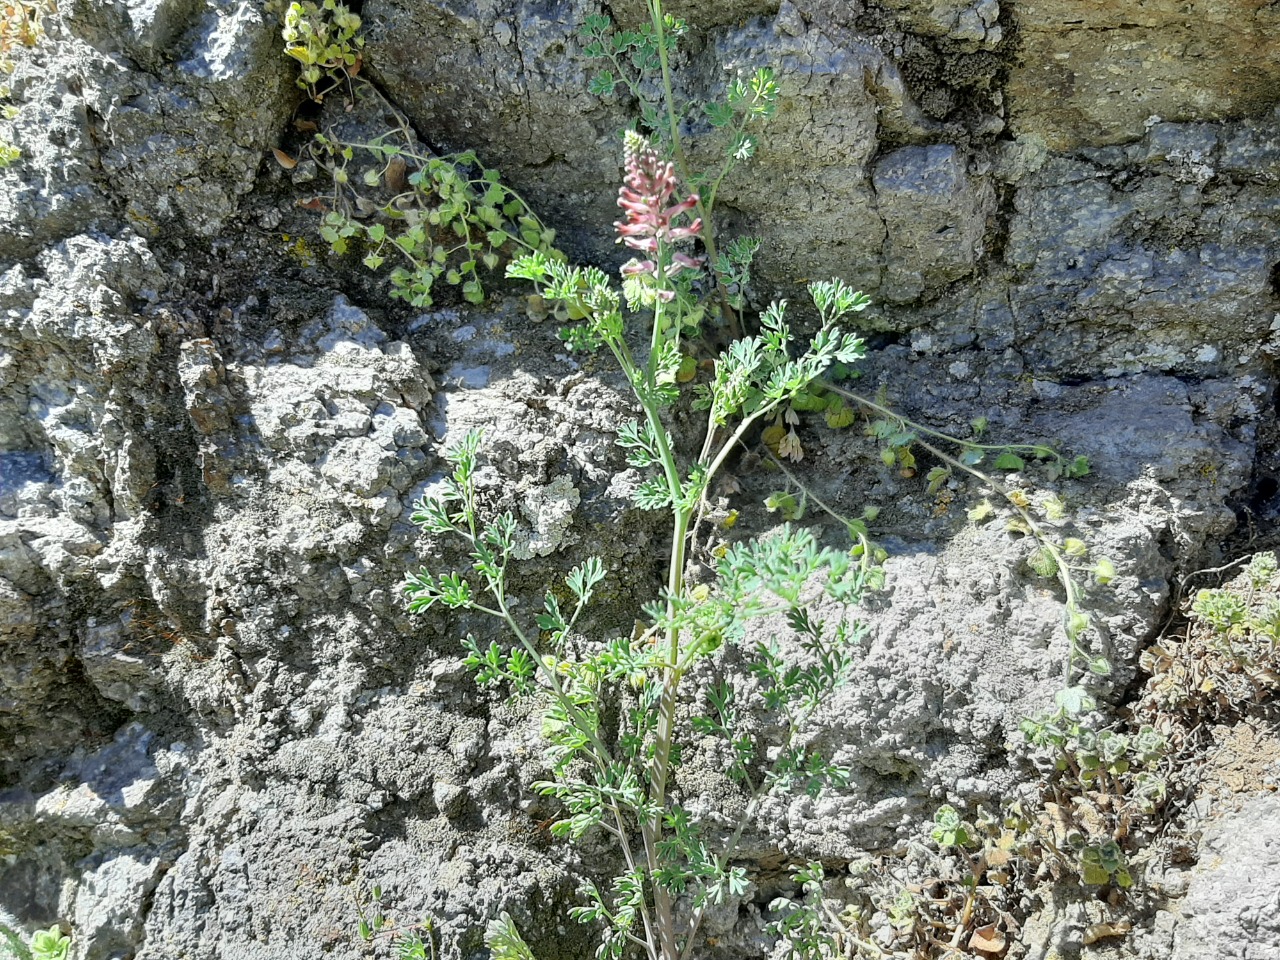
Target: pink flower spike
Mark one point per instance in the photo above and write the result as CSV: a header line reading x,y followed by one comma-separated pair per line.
x,y
634,268
649,185
688,204
680,261
643,244
680,233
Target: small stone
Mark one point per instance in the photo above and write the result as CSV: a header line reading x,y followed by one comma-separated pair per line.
x,y
449,798
304,172
789,21
969,26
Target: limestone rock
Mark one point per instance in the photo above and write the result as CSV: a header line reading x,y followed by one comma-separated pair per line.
x,y
219,725
1229,908
1094,72
935,217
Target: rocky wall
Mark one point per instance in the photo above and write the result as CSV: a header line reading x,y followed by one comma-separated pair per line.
x,y
217,721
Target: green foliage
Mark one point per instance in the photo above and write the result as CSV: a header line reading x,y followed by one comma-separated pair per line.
x,y
758,578
504,941
1100,785
51,944
632,54
733,266
1118,777
614,737
13,943
450,218
406,943
1223,610
639,63
393,201
323,39
929,905
635,62
623,789
1095,758
1230,658
1039,518
800,923
1262,569
899,436
948,829
1103,863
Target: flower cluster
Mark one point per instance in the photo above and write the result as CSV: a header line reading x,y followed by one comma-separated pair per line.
x,y
649,185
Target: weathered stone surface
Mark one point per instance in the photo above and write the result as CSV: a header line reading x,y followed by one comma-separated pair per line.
x,y
1230,906
76,359
519,93
1094,72
178,139
218,725
935,217
107,823
960,20
110,903
1153,256
52,192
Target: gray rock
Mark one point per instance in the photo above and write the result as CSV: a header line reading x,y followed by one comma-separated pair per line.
x,y
1065,83
155,25
219,725
52,191
1230,906
109,903
118,674
935,216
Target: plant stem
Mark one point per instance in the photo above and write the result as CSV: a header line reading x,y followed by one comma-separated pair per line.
x,y
673,122
708,234
599,752
863,539
758,790
1064,574
661,768
946,437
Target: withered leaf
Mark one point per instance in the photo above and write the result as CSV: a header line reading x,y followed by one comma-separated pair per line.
x,y
728,484
284,159
988,939
789,447
396,178
1100,931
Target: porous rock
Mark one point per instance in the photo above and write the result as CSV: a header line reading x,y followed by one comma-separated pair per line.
x,y
1093,73
935,217
1229,907
219,727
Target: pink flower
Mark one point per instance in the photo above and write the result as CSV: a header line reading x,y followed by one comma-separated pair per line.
x,y
649,185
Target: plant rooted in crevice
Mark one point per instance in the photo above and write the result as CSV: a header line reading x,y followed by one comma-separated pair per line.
x,y
393,200
676,868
